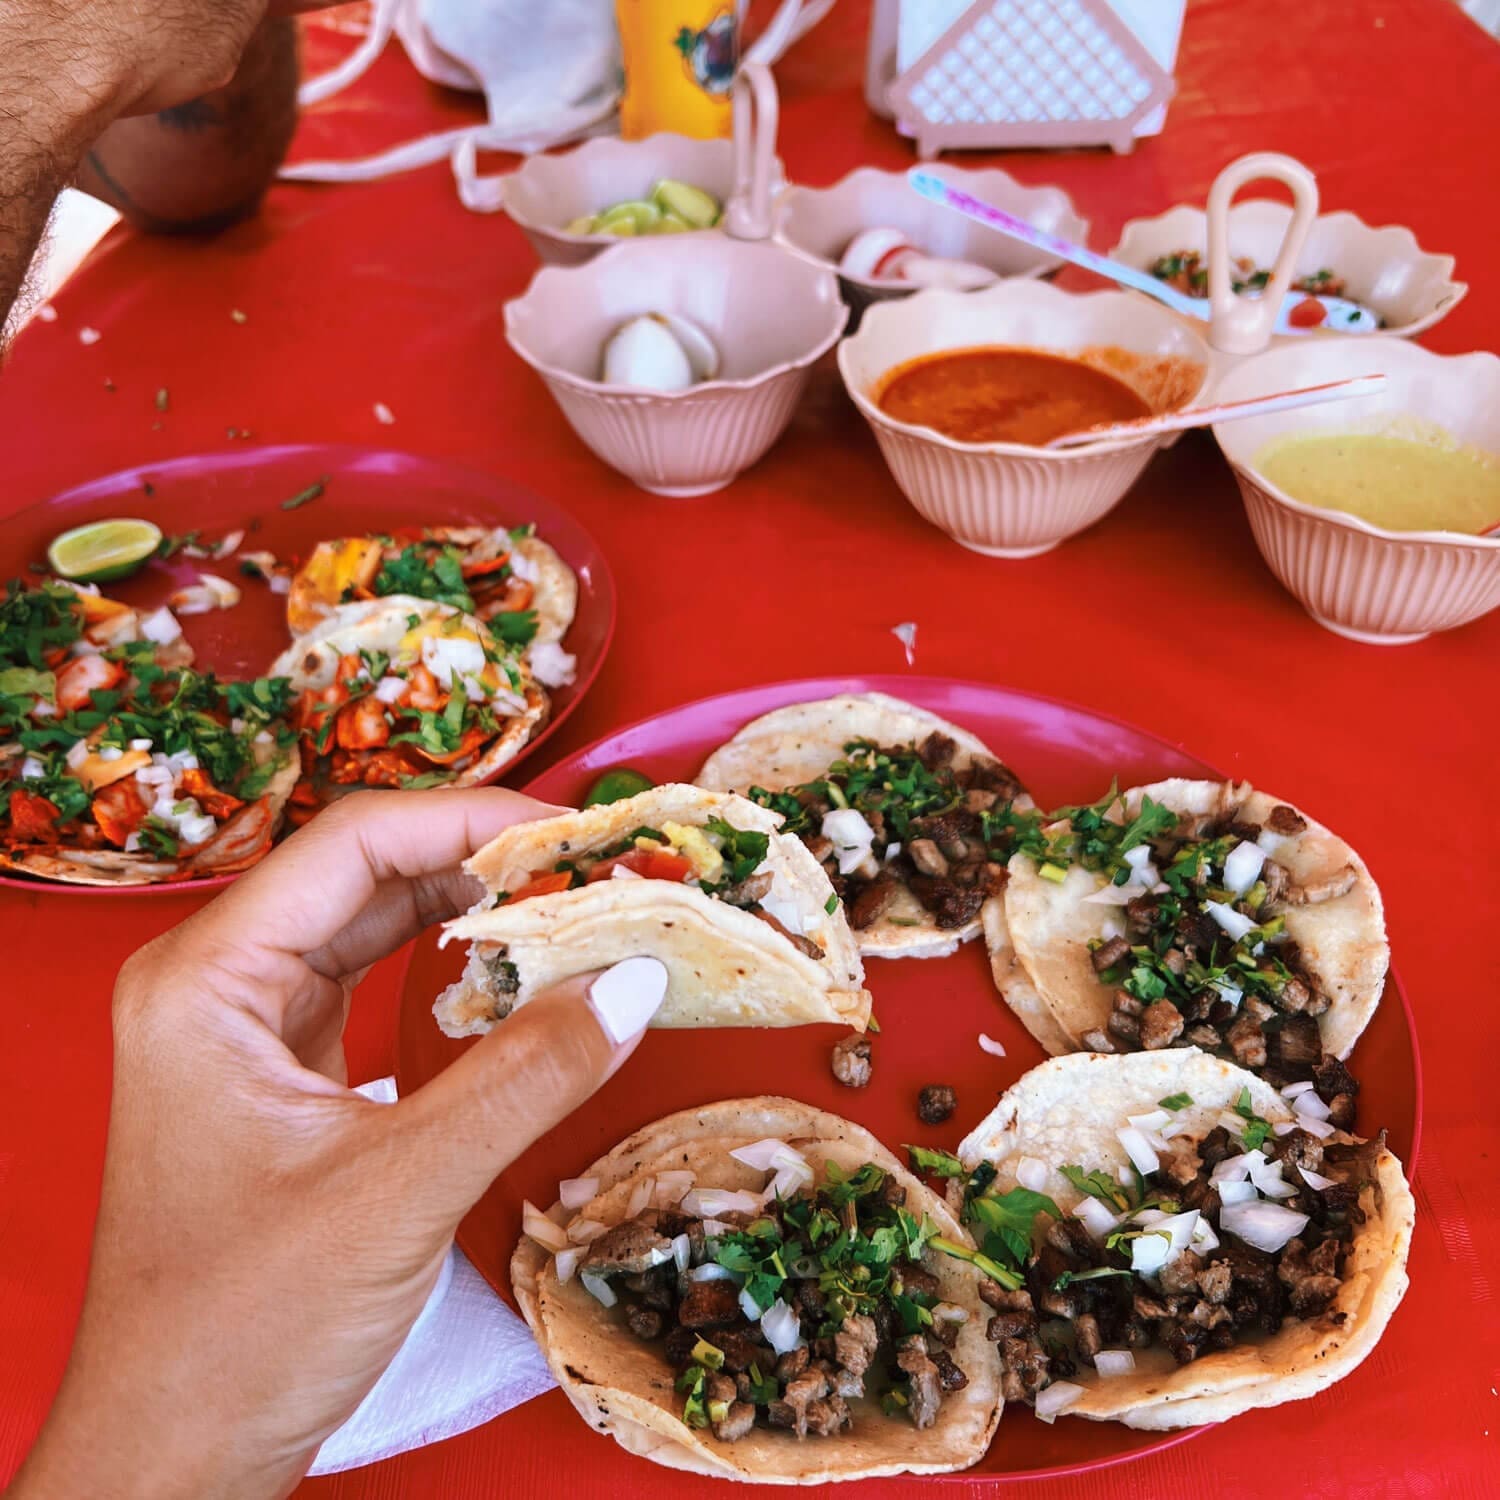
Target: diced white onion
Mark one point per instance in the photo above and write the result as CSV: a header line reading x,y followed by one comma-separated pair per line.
x,y
716,1226
574,1192
41,709
110,752
226,594
539,1227
1267,1226
749,1306
706,1203
1137,857
682,1251
1154,1120
1138,1149
581,1231
1269,1181
640,1197
1293,1089
781,1327
1314,1126
1095,1217
132,843
711,1270
390,689
1148,1253
161,626
759,1155
1056,1398
1233,1123
670,1186
1235,924
1112,1362
1180,1227
892,850
1109,930
523,567
624,872
279,583
1204,1239
229,545
78,752
598,1288
1242,866
1124,1176
906,633
1230,992
1315,1180
1308,1105
32,768
1033,1173
452,656
1233,1168
1236,1192
851,836
140,744
565,1262
551,665
196,828
1284,1127
1269,841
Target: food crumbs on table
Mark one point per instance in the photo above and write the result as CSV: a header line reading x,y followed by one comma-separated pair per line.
x,y
163,399
852,1061
312,492
935,1103
237,316
384,414
46,313
109,384
89,335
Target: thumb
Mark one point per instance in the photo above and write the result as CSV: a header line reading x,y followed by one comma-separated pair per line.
x,y
532,1071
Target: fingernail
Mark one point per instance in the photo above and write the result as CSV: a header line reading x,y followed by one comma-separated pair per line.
x,y
628,995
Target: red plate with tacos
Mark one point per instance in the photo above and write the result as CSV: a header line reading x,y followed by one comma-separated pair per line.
x,y
315,619
947,1031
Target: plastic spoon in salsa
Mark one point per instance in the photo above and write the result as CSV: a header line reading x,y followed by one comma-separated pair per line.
x,y
1225,411
1300,312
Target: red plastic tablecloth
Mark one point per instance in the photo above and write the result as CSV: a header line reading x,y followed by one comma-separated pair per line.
x,y
1162,614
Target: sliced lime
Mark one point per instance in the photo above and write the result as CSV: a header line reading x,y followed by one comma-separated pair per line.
x,y
643,217
692,205
584,224
617,785
671,224
103,550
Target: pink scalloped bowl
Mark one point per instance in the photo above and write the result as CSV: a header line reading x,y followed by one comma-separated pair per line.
x,y
1384,267
548,192
1359,580
770,314
1010,499
820,222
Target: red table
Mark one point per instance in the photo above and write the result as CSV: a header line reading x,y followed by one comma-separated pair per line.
x,y
1161,614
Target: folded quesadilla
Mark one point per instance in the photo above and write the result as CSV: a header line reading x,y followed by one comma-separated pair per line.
x,y
1169,1240
751,1291
740,913
912,817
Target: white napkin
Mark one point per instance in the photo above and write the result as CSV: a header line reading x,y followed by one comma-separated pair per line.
x,y
467,1358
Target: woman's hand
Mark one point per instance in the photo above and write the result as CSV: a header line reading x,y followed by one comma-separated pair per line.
x,y
266,1238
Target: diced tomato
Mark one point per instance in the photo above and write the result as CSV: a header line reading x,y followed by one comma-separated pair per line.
x,y
33,818
652,864
84,676
362,725
425,692
304,794
485,566
471,741
119,810
198,784
1309,313
542,885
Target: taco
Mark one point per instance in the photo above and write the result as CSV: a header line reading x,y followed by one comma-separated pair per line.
x,y
750,1291
741,914
120,764
1194,913
403,692
911,816
510,578
1171,1241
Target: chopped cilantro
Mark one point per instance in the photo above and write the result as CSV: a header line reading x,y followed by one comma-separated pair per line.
x,y
831,905
426,571
1175,1101
1098,1273
743,849
939,1163
1257,1131
302,497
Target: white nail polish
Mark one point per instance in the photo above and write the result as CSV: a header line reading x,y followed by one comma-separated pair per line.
x,y
626,996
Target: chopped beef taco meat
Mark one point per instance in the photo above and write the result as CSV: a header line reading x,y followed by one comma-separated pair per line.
x,y
887,817
777,1310
853,1061
935,1103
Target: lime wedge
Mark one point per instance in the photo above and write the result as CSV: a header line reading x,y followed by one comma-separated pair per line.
x,y
616,785
584,224
103,550
696,208
640,215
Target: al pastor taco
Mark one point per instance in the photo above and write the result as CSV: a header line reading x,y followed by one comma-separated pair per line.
x,y
119,763
750,1291
1194,913
740,913
912,817
1171,1241
403,692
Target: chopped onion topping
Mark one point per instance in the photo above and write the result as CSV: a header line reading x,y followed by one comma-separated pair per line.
x,y
1233,1123
523,567
1180,1227
1204,1239
705,1203
539,1227
1308,1105
1293,1089
1284,1127
597,1287
1234,1168
851,836
640,1197
390,689
1229,992
781,1327
906,633
1236,1192
1033,1173
565,1262
1236,924
1266,1175
623,872
551,665
1242,866
1267,1226
1314,1126
1269,841
32,769
759,1156
161,626
1138,1149
1148,1252
710,1270
682,1251
78,752
670,1186
1315,1180
1140,855
1112,1362
574,1192
1095,1217
581,1231
750,1307
990,1045
1151,1121
1057,1397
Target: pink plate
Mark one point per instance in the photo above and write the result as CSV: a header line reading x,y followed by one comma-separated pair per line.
x,y
367,490
931,1011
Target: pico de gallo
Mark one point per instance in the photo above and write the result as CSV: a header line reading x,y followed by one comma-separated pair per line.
x,y
422,710
111,741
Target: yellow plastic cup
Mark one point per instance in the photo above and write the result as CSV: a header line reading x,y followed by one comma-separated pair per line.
x,y
679,58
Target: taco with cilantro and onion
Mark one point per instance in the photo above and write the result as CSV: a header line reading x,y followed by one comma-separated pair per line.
x,y
119,763
403,692
753,1291
1168,1240
508,577
740,913
1194,913
912,817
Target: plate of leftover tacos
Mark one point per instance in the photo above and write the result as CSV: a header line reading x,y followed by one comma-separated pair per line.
x,y
312,621
1067,1103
